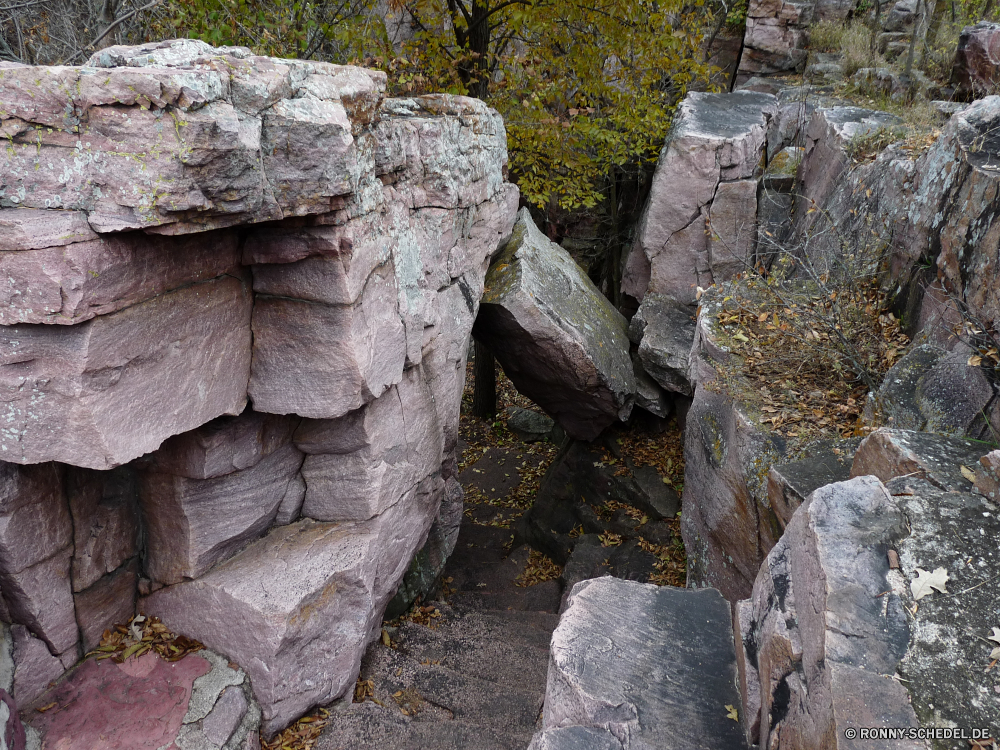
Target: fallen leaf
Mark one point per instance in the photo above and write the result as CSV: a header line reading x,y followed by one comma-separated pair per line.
x,y
740,337
733,713
968,473
996,639
921,586
893,560
386,641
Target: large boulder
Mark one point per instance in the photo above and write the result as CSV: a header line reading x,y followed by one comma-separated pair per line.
x,y
699,225
664,331
775,38
843,633
974,71
644,666
558,338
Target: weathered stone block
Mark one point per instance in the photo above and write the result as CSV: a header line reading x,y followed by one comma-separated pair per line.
x,y
664,330
34,517
318,360
107,602
192,524
558,338
71,284
716,139
101,393
937,459
307,598
105,508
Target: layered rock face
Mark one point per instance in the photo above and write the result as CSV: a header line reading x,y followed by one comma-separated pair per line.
x,y
838,609
236,304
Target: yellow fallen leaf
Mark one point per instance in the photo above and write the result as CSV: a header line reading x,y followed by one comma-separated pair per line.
x,y
385,638
733,713
968,474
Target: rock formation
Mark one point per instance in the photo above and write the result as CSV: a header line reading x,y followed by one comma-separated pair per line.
x,y
558,338
236,303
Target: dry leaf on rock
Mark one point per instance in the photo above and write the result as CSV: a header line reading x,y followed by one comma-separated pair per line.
x,y
733,713
995,654
968,474
921,586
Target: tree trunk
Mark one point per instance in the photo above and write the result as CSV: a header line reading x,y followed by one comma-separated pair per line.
x,y
484,372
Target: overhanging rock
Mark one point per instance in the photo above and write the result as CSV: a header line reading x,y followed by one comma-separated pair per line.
x,y
184,230
558,338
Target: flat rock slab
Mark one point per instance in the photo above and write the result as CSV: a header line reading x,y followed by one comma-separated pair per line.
x,y
558,338
147,703
655,667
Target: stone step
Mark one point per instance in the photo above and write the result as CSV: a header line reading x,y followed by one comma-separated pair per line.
x,y
652,667
369,725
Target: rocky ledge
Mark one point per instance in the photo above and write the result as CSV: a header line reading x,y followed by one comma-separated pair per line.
x,y
236,303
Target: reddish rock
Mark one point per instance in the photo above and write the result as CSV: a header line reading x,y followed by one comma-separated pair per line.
x,y
230,709
988,476
109,601
137,705
223,446
717,139
41,598
974,71
101,393
34,666
27,228
191,524
937,459
105,508
366,461
67,285
34,517
308,598
322,361
776,37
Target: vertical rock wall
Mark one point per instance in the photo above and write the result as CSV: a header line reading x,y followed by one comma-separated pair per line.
x,y
235,306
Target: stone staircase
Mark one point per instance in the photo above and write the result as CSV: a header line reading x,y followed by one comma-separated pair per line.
x,y
630,666
474,678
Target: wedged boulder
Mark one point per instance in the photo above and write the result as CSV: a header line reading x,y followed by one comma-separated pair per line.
x,y
937,459
775,38
664,330
652,667
64,285
558,338
834,636
191,524
201,701
699,224
974,71
308,597
183,356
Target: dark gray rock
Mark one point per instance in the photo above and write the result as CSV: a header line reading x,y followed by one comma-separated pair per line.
x,y
574,738
789,484
529,426
664,330
622,651
558,338
649,395
589,559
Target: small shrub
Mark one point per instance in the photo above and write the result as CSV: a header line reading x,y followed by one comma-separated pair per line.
x,y
870,144
827,36
858,49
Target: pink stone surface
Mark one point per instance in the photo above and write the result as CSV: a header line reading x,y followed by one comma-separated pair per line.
x,y
34,518
30,228
67,285
101,393
105,510
109,601
34,666
138,705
